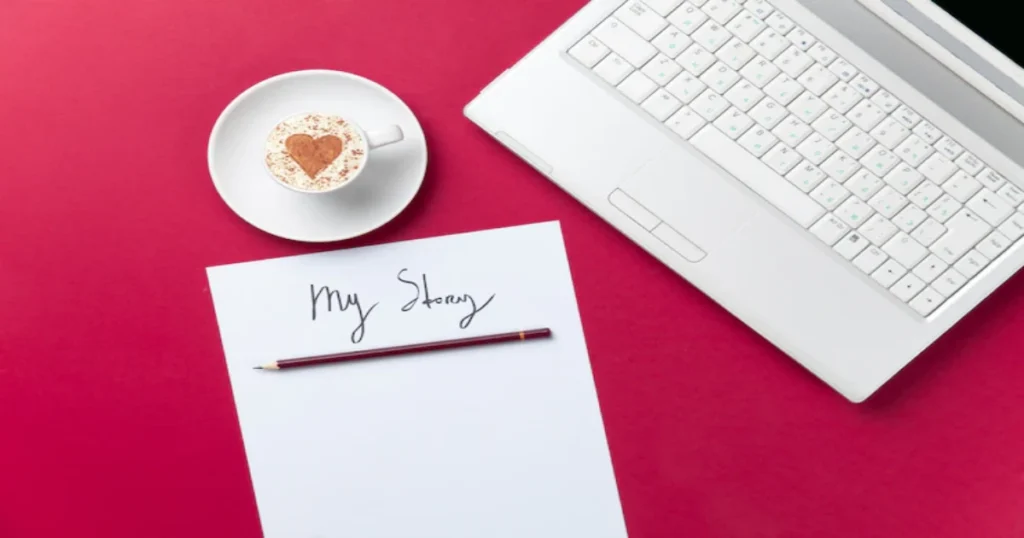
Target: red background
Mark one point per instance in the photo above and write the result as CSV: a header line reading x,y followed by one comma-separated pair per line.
x,y
116,417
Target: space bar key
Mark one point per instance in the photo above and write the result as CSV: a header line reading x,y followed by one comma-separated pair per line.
x,y
758,176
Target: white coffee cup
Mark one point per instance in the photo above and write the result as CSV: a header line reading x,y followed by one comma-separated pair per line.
x,y
357,145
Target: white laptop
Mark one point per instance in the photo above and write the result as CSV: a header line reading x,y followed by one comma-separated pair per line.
x,y
842,175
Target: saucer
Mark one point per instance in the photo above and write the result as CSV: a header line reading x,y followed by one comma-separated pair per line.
x,y
391,180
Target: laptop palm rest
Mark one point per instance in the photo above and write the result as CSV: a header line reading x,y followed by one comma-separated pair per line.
x,y
693,200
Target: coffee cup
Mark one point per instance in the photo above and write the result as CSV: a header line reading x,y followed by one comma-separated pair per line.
x,y
320,153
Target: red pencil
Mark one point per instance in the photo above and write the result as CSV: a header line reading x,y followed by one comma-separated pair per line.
x,y
402,350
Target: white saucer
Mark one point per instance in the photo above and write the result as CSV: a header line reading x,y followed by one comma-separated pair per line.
x,y
389,183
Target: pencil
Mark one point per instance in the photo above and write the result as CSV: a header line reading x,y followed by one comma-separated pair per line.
x,y
403,350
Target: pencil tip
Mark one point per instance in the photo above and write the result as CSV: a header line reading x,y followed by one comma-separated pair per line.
x,y
257,367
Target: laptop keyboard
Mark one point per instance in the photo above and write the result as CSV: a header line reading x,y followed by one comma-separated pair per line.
x,y
806,130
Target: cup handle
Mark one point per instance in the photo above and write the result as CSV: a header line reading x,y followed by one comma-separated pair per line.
x,y
385,136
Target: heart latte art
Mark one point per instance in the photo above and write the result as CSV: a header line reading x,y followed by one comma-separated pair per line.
x,y
315,152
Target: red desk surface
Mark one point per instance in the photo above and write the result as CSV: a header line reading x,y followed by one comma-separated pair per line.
x,y
116,417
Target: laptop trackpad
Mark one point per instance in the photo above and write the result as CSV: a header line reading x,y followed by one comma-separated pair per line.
x,y
691,197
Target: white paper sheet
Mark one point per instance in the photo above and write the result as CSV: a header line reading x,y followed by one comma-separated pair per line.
x,y
501,441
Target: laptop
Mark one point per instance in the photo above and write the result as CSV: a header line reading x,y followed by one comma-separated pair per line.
x,y
844,176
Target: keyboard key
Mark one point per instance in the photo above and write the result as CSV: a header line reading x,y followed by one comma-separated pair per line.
x,y
930,269
613,69
910,218
661,105
889,273
745,26
758,141
864,184
686,122
843,70
965,230
854,212
770,44
734,123
989,206
792,131
925,194
944,208
822,54
711,36
961,186
991,179
1013,227
687,18
760,8
886,101
664,7
914,150
710,105
928,132
807,107
879,161
840,166
830,194
735,54
927,302
589,52
949,283
907,117
758,177
641,19
686,87
970,164
760,71
816,149
928,232
870,260
856,142
904,179
720,78
637,87
938,168
949,148
744,96
696,59
817,79
625,42
801,39
784,89
866,115
905,250
830,230
864,85
661,69
782,159
698,3
888,202
907,288
806,176
842,97
890,133
721,10
832,125
781,23
672,42
768,113
793,61
1012,195
879,230
851,246
993,245
971,264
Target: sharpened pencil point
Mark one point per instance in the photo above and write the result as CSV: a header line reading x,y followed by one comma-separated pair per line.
x,y
257,367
